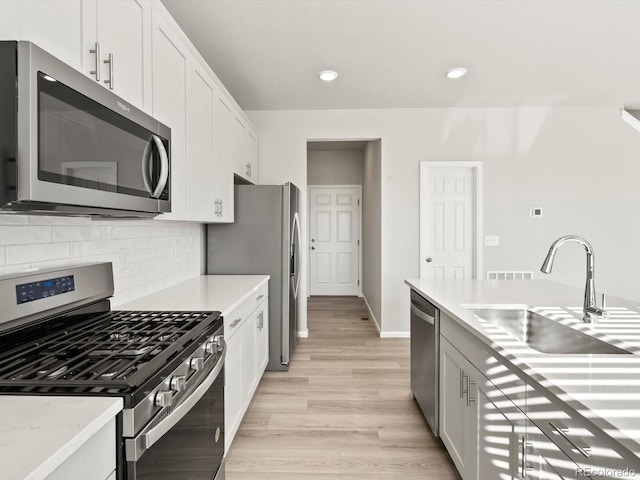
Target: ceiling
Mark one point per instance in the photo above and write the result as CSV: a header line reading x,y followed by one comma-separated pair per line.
x,y
394,53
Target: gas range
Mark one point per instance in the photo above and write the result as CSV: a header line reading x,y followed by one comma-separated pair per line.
x,y
58,336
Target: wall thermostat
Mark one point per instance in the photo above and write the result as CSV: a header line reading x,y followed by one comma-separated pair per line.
x,y
535,212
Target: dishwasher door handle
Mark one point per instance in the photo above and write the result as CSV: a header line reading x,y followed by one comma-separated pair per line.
x,y
422,316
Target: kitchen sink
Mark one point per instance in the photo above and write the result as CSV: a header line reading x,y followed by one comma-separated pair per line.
x,y
544,334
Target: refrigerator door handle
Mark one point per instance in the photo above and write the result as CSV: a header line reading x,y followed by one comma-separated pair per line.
x,y
295,250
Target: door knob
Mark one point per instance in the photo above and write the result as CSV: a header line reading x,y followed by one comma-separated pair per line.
x,y
313,239
429,259
313,248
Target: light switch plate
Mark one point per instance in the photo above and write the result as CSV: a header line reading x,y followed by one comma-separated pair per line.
x,y
491,241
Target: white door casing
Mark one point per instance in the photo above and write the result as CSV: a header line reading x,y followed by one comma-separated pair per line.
x,y
450,220
334,240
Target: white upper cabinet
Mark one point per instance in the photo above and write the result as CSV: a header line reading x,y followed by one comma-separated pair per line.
x,y
169,75
222,160
56,27
201,203
245,150
123,35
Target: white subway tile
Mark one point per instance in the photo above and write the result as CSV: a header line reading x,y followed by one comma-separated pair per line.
x,y
79,249
3,259
24,234
74,233
33,254
57,220
12,219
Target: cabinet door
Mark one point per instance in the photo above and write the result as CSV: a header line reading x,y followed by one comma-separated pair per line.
x,y
252,155
222,157
169,92
545,461
239,148
123,31
56,27
201,202
233,395
262,348
249,370
455,418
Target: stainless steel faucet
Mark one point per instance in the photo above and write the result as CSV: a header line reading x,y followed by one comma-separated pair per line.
x,y
590,310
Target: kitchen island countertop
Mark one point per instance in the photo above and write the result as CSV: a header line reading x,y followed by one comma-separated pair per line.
x,y
603,388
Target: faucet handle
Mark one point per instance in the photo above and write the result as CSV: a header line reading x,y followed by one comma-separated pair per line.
x,y
604,301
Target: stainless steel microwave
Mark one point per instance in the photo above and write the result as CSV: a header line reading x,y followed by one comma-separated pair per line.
x,y
70,146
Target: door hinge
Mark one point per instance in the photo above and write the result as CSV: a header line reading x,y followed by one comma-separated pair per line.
x,y
358,242
358,202
358,282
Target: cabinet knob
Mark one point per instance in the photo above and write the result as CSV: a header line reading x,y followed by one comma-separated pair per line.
x,y
429,260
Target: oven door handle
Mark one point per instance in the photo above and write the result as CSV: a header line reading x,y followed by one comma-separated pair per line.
x,y
135,447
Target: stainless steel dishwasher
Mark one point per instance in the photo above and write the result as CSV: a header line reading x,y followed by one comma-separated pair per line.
x,y
425,358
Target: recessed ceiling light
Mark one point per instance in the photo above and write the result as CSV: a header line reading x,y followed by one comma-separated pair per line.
x,y
456,72
49,78
328,75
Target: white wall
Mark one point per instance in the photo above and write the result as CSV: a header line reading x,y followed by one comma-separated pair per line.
x,y
339,167
157,254
581,164
371,229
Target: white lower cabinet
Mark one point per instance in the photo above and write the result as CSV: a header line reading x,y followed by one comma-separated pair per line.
x,y
94,460
486,434
247,337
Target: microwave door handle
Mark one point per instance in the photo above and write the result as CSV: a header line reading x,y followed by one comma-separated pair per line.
x,y
146,160
135,447
164,167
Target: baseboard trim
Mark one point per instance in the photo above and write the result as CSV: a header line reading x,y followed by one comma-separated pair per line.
x,y
395,334
373,317
303,333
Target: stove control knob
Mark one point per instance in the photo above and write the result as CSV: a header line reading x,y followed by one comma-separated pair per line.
x,y
178,383
196,363
163,399
210,347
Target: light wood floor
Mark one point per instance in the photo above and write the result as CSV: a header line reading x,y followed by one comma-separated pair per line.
x,y
341,412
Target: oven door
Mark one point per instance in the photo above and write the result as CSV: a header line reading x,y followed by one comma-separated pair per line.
x,y
189,443
81,145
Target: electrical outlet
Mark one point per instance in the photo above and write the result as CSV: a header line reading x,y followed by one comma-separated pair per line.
x,y
491,241
124,259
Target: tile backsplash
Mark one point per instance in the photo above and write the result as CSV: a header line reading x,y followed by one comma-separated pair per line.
x,y
147,255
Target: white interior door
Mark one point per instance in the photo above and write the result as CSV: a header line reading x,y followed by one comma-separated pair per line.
x,y
334,234
448,221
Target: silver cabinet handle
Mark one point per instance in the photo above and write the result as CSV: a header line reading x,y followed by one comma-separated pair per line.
x,y
110,80
96,71
235,322
465,385
220,203
584,450
215,207
260,297
524,462
461,383
470,399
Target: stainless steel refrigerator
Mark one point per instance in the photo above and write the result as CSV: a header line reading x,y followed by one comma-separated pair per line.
x,y
264,239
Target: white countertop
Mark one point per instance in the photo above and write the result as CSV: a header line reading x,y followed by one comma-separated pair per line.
x,y
207,292
603,388
37,434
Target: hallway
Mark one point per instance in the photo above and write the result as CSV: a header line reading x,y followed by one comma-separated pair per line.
x,y
342,411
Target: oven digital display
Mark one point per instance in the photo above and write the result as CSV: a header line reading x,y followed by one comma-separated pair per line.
x,y
29,292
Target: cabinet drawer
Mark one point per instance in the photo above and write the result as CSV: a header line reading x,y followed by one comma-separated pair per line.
x,y
584,443
236,317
